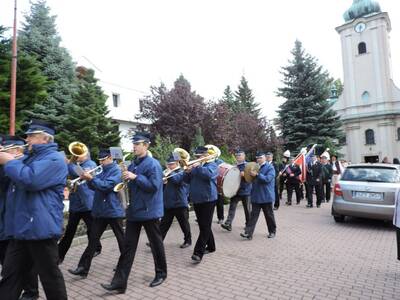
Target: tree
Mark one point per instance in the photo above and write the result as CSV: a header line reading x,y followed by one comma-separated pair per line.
x,y
31,85
87,120
244,99
228,99
306,116
39,38
175,113
162,149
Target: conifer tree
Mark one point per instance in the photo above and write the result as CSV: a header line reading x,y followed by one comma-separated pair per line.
x,y
228,99
306,116
244,99
39,37
31,85
87,119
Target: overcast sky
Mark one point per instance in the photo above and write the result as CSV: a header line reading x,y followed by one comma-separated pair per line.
x,y
211,42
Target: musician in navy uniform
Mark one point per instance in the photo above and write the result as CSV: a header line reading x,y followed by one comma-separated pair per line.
x,y
80,206
270,160
202,178
176,203
107,209
262,197
145,183
281,179
314,181
35,219
221,199
243,194
291,174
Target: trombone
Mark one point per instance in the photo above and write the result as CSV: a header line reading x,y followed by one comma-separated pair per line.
x,y
73,184
13,146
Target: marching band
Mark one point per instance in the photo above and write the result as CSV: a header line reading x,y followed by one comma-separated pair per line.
x,y
33,175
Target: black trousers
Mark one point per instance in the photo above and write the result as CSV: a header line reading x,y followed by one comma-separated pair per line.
x,y
326,191
132,234
290,187
73,222
398,242
318,191
232,208
281,184
99,225
204,213
182,215
22,256
277,200
268,214
3,249
220,207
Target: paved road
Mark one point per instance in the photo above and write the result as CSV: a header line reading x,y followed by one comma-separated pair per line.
x,y
312,257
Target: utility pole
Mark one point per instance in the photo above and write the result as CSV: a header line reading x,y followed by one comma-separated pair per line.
x,y
13,73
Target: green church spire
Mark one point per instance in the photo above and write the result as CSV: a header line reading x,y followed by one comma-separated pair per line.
x,y
361,8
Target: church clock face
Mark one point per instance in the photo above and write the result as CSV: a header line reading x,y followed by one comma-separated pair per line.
x,y
360,27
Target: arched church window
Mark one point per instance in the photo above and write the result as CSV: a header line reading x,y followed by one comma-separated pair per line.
x,y
369,137
362,48
398,134
365,96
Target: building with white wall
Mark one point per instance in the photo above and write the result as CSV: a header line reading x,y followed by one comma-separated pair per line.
x,y
370,103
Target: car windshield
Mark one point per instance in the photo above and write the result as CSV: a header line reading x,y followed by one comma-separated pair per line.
x,y
371,174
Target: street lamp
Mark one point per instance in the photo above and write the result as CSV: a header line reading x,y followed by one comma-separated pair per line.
x,y
13,73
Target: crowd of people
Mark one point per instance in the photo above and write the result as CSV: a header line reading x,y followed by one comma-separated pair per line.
x,y
33,175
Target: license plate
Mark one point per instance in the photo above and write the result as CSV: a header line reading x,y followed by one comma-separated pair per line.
x,y
368,195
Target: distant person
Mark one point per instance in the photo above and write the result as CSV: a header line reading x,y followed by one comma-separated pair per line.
x,y
385,160
396,161
396,221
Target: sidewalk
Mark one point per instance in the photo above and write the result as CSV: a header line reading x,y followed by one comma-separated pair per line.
x,y
312,257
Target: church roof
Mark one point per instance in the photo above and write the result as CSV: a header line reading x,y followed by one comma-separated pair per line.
x,y
361,8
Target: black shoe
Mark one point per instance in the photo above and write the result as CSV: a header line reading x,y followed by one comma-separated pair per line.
x,y
227,227
185,245
271,235
29,297
96,253
309,205
208,251
288,203
246,236
79,271
276,207
113,287
157,281
196,259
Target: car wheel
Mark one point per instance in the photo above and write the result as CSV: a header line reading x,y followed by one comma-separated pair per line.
x,y
339,219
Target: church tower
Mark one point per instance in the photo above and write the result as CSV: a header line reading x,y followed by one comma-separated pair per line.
x,y
370,103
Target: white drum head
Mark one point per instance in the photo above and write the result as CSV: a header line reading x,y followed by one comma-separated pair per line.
x,y
231,183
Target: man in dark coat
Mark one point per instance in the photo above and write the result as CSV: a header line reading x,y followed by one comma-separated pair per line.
x,y
314,181
291,174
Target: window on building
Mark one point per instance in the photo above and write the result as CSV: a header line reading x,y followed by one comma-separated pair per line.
x,y
369,137
398,134
362,48
115,98
342,140
141,105
365,96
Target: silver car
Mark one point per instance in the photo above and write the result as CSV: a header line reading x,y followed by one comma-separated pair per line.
x,y
366,191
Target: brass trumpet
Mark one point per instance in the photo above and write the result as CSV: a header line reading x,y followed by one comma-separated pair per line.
x,y
9,147
77,149
74,183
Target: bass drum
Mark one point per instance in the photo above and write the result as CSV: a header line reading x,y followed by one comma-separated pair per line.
x,y
228,180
